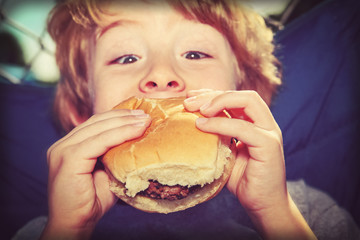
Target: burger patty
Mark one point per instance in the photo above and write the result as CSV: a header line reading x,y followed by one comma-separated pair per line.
x,y
159,191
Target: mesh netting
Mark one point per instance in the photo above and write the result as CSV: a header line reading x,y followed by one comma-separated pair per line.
x,y
26,49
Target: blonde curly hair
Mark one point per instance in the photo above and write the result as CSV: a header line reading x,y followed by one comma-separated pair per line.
x,y
72,23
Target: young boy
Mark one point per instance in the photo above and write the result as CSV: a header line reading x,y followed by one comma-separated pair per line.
x,y
109,51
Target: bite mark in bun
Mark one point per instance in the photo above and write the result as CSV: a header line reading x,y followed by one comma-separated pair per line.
x,y
173,166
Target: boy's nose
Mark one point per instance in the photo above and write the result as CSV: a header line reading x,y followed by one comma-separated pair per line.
x,y
162,81
161,85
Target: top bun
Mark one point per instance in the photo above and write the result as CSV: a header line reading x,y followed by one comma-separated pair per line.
x,y
172,151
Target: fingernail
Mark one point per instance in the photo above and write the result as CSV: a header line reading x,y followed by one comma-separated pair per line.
x,y
139,124
142,116
190,99
137,112
201,120
205,106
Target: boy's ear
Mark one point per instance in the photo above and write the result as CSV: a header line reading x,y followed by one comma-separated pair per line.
x,y
75,118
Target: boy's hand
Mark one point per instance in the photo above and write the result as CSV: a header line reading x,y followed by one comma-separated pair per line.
x,y
258,178
78,196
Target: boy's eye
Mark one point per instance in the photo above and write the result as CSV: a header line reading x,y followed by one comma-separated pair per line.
x,y
126,59
194,55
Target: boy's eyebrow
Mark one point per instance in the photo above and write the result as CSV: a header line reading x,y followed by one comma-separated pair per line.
x,y
112,25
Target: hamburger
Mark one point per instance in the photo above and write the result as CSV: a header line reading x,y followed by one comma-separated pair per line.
x,y
173,166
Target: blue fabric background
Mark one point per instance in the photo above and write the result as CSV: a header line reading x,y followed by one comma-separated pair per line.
x,y
318,105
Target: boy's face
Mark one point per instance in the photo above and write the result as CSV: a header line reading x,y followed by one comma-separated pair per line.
x,y
150,50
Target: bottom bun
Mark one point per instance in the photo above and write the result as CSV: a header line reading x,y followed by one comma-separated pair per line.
x,y
151,205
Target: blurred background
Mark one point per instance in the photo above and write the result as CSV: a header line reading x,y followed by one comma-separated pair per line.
x,y
27,51
25,45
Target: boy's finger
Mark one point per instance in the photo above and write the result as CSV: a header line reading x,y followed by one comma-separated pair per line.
x,y
105,115
193,93
242,130
105,125
252,104
238,171
106,197
99,125
81,158
194,102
